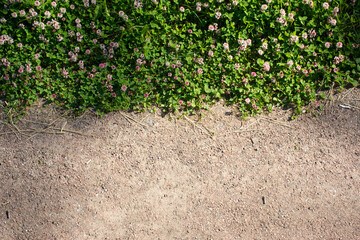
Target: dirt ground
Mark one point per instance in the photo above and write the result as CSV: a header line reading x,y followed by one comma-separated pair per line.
x,y
142,176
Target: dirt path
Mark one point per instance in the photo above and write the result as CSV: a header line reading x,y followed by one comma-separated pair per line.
x,y
261,178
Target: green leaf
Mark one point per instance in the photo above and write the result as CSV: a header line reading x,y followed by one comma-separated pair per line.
x,y
206,88
106,9
154,25
260,61
144,30
188,59
98,11
352,81
302,20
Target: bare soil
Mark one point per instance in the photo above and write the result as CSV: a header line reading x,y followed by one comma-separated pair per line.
x,y
142,176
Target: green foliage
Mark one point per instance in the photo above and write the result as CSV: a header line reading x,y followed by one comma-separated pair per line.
x,y
178,55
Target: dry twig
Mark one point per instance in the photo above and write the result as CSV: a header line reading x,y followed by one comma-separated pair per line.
x,y
210,133
70,131
32,130
329,98
247,126
132,119
278,122
46,130
10,126
147,115
63,126
249,130
345,94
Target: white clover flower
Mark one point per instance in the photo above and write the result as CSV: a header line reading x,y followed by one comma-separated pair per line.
x,y
264,7
47,14
266,66
290,63
264,46
282,13
294,39
218,15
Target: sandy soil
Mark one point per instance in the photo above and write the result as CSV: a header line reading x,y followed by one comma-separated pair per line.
x,y
261,178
